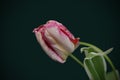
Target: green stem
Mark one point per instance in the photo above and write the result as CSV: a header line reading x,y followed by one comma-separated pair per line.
x,y
92,46
100,51
77,60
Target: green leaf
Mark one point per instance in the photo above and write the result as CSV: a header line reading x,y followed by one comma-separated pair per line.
x,y
95,67
108,51
94,63
111,75
87,50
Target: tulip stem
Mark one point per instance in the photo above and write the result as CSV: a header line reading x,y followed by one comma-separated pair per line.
x,y
100,51
77,60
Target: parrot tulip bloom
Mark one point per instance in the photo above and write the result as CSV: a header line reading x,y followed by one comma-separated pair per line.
x,y
56,40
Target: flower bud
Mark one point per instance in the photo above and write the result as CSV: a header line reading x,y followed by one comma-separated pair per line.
x,y
56,40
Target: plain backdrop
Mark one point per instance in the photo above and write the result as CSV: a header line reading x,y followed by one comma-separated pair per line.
x,y
21,56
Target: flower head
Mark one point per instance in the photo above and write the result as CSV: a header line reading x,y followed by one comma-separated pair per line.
x,y
56,40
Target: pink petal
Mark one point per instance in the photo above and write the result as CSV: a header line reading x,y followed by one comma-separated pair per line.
x,y
48,51
61,38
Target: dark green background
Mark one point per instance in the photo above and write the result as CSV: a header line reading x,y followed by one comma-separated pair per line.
x,y
22,58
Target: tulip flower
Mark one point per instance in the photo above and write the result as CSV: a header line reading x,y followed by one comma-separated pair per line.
x,y
59,43
56,40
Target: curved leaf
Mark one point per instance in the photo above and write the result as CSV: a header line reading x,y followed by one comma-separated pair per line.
x,y
95,67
